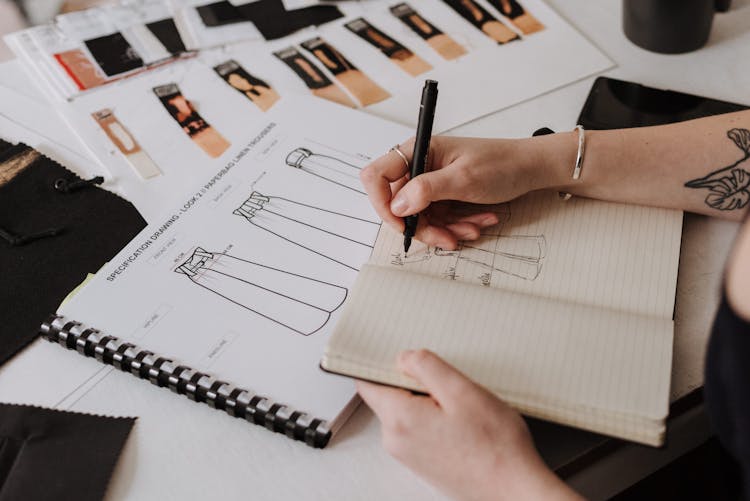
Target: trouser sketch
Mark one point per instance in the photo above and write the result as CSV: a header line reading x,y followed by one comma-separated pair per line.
x,y
517,255
326,167
342,238
300,303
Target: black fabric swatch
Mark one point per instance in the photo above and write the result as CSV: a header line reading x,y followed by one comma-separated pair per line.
x,y
219,14
37,275
274,21
46,454
166,31
114,54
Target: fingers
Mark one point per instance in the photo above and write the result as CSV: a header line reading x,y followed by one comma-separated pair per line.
x,y
388,402
464,231
443,382
378,176
421,191
482,220
435,235
444,230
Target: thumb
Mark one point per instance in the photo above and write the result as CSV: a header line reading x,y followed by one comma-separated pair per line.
x,y
441,380
424,189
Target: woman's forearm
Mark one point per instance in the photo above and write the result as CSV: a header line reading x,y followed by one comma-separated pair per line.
x,y
700,166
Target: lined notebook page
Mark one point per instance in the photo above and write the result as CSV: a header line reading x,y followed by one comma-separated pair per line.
x,y
576,364
616,256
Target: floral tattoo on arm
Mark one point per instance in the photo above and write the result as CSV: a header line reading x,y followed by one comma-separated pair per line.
x,y
729,186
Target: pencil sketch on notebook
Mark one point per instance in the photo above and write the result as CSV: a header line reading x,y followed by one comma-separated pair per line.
x,y
299,303
520,256
342,238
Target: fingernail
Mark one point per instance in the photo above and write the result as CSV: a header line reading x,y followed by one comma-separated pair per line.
x,y
399,205
489,220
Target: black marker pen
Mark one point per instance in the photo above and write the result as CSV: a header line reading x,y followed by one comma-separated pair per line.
x,y
421,149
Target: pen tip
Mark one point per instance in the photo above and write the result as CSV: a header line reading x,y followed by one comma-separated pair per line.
x,y
407,244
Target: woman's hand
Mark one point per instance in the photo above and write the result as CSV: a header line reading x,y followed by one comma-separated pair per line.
x,y
479,171
461,438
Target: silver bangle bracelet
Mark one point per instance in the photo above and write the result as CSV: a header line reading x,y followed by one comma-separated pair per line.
x,y
564,195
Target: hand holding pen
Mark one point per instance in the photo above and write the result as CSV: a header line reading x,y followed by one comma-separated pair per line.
x,y
457,170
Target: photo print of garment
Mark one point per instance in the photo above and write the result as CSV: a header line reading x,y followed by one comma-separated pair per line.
x,y
518,16
191,122
326,167
440,42
393,50
342,238
314,79
138,159
299,303
360,85
483,20
253,88
81,69
114,54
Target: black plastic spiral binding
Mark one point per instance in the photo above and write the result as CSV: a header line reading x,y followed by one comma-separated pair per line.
x,y
195,385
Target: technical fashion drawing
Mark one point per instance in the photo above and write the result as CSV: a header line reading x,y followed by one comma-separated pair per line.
x,y
326,167
342,238
299,303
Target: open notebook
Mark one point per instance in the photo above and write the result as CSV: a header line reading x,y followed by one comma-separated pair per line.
x,y
562,309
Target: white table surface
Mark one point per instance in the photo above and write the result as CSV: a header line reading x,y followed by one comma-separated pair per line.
x,y
179,450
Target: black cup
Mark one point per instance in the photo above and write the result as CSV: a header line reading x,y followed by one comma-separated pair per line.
x,y
670,26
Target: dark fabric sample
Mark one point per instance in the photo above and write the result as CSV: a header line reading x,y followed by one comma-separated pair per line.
x,y
166,31
219,14
114,54
274,21
47,454
93,225
727,393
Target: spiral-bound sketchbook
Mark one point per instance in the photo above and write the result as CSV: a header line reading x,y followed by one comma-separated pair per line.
x,y
562,309
229,296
